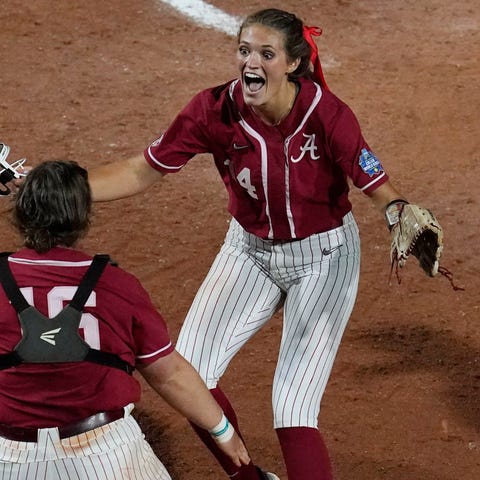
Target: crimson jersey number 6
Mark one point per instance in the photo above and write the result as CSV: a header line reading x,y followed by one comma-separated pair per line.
x,y
56,299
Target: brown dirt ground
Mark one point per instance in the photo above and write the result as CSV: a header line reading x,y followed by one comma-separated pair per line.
x,y
97,81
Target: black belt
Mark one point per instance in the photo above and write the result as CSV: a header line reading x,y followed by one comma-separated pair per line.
x,y
20,434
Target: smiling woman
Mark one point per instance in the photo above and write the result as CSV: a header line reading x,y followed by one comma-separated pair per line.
x,y
269,64
264,67
286,149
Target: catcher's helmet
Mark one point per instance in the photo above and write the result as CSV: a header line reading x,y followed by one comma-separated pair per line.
x,y
8,171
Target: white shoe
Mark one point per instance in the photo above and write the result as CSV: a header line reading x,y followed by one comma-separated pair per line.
x,y
271,476
266,475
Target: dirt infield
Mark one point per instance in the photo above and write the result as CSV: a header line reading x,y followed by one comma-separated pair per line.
x,y
97,81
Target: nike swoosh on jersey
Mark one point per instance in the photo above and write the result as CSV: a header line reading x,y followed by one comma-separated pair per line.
x,y
236,146
328,251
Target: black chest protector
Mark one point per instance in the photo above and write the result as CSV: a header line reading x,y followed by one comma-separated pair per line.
x,y
55,340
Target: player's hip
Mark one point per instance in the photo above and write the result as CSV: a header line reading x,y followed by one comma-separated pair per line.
x,y
295,255
55,445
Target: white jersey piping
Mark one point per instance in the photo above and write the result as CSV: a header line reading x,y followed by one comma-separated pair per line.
x,y
318,96
373,182
264,159
51,263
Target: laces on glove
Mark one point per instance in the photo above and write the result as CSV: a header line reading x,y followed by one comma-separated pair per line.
x,y
415,230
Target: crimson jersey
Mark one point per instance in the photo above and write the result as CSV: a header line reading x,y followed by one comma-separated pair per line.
x,y
118,317
286,181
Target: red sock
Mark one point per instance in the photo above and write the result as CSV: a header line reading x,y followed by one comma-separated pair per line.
x,y
245,472
305,453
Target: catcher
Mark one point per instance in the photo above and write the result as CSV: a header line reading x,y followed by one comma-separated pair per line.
x,y
74,328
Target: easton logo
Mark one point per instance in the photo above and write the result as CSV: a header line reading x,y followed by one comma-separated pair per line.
x,y
49,336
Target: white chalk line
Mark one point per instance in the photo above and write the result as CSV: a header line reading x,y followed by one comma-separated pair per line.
x,y
205,14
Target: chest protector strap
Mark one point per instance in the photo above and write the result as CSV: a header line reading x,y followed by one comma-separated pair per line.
x,y
55,340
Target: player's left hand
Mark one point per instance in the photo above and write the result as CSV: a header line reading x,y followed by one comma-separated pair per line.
x,y
417,232
236,450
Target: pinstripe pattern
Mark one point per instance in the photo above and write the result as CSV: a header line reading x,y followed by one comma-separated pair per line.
x,y
116,451
249,280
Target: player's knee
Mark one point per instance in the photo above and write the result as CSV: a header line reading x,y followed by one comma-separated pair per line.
x,y
287,417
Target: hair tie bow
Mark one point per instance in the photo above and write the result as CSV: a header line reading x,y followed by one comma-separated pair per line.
x,y
308,33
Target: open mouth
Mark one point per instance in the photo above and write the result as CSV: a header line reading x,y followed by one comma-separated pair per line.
x,y
253,82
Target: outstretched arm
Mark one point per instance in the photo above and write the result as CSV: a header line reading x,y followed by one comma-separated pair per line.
x,y
122,179
178,383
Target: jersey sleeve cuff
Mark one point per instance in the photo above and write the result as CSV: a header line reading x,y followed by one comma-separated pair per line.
x,y
149,358
374,184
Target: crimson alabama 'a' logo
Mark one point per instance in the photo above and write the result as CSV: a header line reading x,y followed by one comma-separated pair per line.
x,y
308,146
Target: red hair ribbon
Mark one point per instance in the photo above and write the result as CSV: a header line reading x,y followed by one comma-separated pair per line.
x,y
308,33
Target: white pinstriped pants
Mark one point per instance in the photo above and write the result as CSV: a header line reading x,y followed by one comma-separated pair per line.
x,y
252,278
116,451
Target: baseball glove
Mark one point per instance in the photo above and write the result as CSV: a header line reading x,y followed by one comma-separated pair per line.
x,y
417,232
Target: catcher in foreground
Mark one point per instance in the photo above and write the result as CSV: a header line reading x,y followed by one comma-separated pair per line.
x,y
415,230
